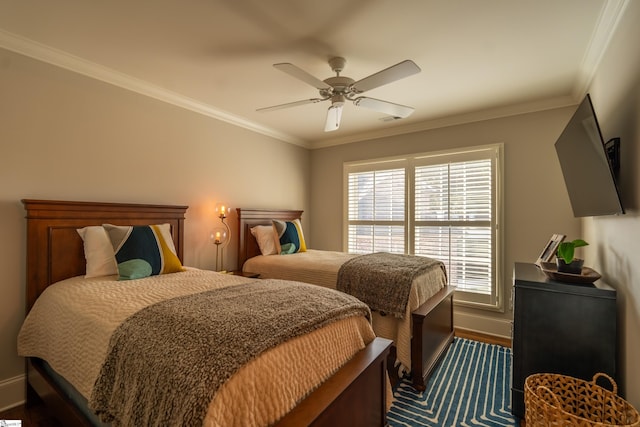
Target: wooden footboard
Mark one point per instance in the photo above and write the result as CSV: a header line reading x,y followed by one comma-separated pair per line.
x,y
432,333
355,396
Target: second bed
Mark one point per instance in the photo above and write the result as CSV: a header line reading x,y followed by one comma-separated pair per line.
x,y
421,336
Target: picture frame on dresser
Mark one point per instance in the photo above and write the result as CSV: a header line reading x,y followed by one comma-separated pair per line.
x,y
550,249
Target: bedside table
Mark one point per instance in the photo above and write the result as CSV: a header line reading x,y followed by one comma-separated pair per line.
x,y
244,274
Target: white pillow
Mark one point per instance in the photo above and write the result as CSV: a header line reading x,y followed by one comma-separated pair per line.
x,y
98,252
266,238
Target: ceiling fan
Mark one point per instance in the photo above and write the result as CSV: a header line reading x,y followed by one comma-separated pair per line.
x,y
340,89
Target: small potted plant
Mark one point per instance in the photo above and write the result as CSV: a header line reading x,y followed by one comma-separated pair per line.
x,y
565,257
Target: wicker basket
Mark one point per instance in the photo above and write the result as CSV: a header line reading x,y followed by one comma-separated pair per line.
x,y
560,400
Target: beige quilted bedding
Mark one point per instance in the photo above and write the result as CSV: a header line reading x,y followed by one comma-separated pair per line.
x,y
71,323
321,268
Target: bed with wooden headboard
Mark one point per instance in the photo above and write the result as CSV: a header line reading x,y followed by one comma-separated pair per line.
x,y
355,394
431,329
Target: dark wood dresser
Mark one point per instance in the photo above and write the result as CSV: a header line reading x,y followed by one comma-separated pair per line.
x,y
561,328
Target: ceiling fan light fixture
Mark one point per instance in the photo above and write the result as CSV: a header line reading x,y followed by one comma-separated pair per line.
x,y
334,115
338,100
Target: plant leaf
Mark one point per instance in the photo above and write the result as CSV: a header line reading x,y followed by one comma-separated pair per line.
x,y
566,250
579,242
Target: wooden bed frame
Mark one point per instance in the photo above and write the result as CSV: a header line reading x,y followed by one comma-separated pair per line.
x,y
355,395
432,322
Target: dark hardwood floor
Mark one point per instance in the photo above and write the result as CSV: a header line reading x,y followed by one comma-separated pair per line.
x,y
32,415
35,413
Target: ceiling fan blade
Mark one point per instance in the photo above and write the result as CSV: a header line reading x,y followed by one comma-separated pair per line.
x,y
292,104
395,110
301,74
399,71
334,114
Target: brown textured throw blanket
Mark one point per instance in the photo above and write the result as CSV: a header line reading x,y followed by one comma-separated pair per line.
x,y
166,362
383,280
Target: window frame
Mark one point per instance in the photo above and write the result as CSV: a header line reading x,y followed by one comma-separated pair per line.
x,y
494,152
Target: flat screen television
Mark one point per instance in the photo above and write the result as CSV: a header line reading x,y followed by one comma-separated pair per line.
x,y
586,167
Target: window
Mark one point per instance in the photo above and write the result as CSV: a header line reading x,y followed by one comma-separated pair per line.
x,y
377,211
440,205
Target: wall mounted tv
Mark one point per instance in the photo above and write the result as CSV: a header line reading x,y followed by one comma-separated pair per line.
x,y
586,167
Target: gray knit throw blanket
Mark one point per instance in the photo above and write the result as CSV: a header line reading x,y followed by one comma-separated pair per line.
x,y
383,280
166,362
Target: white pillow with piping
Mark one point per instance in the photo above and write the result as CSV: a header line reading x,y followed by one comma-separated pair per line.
x,y
266,238
98,252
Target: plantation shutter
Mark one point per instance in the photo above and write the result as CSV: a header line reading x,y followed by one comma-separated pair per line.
x,y
453,220
376,211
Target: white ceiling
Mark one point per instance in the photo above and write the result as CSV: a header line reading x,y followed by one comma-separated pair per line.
x,y
479,58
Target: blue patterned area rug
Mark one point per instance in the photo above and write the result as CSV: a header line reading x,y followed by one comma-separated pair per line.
x,y
470,387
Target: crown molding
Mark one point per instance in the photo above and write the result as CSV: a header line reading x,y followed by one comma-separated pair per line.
x,y
50,55
608,21
460,119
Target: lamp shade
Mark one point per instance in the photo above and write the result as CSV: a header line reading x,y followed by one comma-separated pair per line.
x,y
220,236
222,209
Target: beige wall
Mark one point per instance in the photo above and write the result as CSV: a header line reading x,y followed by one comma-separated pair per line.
x,y
536,204
68,137
615,241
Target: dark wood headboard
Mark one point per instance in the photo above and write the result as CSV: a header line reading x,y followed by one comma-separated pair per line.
x,y
247,218
54,248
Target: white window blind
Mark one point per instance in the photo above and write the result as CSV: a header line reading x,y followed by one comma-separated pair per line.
x,y
376,211
442,205
453,211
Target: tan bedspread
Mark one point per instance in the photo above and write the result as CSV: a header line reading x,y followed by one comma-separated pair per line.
x,y
313,266
321,268
71,323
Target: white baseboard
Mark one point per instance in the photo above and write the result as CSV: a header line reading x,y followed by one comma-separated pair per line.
x,y
483,324
12,392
